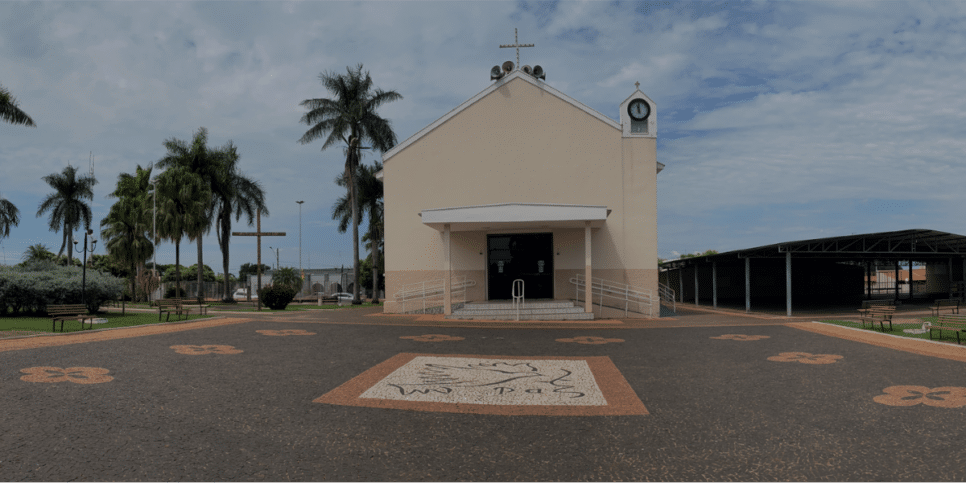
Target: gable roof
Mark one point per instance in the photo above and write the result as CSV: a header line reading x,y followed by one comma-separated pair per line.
x,y
517,74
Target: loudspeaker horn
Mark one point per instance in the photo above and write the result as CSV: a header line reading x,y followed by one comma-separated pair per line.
x,y
508,66
496,73
539,73
527,70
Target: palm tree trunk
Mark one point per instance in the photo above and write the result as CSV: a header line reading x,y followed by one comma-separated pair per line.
x,y
63,243
70,248
201,277
225,233
355,238
375,264
177,268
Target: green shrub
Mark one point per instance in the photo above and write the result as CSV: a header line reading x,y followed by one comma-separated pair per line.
x,y
174,292
276,297
33,285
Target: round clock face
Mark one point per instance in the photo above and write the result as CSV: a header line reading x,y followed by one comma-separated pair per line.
x,y
638,109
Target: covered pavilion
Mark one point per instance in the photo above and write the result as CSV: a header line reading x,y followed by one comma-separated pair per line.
x,y
836,269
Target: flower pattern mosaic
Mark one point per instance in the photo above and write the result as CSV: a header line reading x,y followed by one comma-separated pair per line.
x,y
79,375
940,397
806,358
284,332
741,337
432,337
198,350
591,340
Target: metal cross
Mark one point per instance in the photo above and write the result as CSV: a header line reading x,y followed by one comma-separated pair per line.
x,y
637,85
516,44
258,234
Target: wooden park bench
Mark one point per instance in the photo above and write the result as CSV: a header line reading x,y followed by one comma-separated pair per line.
x,y
955,323
186,307
168,306
868,304
880,314
68,312
945,304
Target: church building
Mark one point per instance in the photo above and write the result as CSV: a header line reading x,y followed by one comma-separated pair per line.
x,y
523,183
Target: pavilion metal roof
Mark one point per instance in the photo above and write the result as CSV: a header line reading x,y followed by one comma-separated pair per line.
x,y
915,244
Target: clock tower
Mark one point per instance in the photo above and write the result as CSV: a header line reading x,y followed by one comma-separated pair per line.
x,y
638,115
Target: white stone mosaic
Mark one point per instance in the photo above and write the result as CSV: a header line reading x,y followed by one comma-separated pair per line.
x,y
491,381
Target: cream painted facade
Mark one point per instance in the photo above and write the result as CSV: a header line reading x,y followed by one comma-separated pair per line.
x,y
522,157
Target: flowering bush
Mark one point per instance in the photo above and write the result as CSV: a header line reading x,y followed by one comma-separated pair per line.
x,y
32,286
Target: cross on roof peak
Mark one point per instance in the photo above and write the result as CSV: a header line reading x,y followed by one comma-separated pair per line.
x,y
516,44
637,85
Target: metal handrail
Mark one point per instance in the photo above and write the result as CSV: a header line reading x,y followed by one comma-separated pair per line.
x,y
618,291
518,295
424,292
667,295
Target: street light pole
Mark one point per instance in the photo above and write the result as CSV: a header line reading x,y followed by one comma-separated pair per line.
x,y
84,269
301,273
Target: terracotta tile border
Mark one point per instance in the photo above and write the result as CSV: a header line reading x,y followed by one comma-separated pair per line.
x,y
442,318
926,348
111,334
621,398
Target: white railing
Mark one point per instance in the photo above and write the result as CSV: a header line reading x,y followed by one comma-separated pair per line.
x,y
667,295
430,294
518,295
617,293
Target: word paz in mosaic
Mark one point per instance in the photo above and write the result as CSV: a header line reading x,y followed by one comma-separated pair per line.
x,y
491,381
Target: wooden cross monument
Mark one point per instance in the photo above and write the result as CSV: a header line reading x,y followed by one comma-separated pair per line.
x,y
258,234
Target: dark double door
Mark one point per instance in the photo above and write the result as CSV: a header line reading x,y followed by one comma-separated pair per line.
x,y
527,256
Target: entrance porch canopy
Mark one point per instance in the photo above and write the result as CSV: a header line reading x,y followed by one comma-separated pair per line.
x,y
512,216
515,215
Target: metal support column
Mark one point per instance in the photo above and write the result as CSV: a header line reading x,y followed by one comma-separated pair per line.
x,y
788,283
747,285
897,280
714,284
910,279
696,285
949,277
868,280
681,284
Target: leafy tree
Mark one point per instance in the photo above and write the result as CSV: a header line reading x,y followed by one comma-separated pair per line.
x,y
249,269
699,254
365,278
66,204
370,200
350,117
208,274
10,112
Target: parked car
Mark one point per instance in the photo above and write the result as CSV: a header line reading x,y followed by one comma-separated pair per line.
x,y
242,294
343,297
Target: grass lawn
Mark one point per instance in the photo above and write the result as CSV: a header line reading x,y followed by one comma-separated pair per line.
x,y
42,324
947,336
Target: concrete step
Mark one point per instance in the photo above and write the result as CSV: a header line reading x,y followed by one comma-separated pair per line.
x,y
573,316
549,304
527,310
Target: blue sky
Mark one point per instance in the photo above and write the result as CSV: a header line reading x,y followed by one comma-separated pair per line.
x,y
777,121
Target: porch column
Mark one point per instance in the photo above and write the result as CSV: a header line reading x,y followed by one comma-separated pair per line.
x,y
714,284
747,285
588,275
681,282
447,290
788,283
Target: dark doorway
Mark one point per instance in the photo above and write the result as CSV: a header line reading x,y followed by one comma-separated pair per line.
x,y
527,256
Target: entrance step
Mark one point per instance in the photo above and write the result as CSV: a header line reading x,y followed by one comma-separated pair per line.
x,y
544,310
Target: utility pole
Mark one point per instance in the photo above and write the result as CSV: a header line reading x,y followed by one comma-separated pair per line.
x,y
301,272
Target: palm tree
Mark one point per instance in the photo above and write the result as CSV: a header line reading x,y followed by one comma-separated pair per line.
x,y
125,228
9,216
233,194
350,117
66,205
183,204
370,202
203,162
10,112
37,252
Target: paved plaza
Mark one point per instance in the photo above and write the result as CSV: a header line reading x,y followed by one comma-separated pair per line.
x,y
356,395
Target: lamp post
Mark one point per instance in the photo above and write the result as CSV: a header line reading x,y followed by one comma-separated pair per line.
x,y
84,269
301,273
276,256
